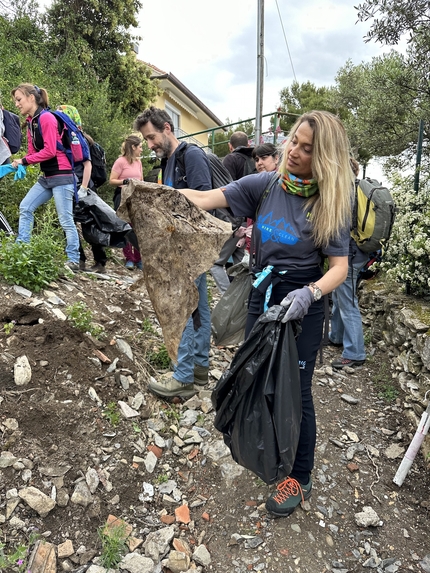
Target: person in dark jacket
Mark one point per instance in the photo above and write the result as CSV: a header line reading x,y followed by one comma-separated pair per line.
x,y
239,161
99,253
57,179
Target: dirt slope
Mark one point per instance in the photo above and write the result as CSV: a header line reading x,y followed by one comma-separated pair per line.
x,y
66,421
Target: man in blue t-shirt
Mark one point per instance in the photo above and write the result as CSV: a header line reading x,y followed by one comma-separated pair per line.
x,y
192,171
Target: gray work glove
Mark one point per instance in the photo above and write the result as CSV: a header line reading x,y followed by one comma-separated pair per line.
x,y
298,302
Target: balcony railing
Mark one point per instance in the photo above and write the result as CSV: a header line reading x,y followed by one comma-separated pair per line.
x,y
183,136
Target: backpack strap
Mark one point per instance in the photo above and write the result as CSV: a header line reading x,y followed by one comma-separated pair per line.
x,y
180,162
60,147
254,260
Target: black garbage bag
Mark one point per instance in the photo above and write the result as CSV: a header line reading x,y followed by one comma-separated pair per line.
x,y
228,318
258,399
100,223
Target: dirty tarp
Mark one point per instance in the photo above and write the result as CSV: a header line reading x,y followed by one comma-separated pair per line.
x,y
178,242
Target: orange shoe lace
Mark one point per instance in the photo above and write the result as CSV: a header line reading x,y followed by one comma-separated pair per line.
x,y
289,487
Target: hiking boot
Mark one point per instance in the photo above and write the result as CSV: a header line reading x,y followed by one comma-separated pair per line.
x,y
289,494
168,387
201,374
82,265
72,266
335,344
342,362
129,265
97,268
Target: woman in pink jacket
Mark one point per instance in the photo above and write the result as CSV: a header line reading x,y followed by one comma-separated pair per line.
x,y
57,177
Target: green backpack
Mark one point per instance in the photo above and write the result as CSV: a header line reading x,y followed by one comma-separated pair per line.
x,y
373,215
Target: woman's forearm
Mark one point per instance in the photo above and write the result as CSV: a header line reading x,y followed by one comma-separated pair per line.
x,y
207,200
335,276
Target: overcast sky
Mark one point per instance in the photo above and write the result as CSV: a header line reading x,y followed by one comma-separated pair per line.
x,y
212,47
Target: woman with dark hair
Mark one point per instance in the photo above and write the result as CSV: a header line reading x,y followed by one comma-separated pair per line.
x,y
302,213
266,157
128,166
57,179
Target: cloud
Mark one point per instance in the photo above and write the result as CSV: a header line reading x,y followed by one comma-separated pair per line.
x,y
214,46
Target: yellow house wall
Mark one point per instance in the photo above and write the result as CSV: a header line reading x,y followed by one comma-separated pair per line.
x,y
188,123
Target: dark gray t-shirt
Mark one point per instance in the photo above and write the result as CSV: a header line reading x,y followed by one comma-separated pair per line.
x,y
283,229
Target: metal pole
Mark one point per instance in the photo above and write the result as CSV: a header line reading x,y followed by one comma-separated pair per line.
x,y
260,71
419,150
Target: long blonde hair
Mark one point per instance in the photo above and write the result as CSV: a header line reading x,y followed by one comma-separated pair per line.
x,y
331,207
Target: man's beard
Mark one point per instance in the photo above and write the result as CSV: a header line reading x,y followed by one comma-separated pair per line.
x,y
165,149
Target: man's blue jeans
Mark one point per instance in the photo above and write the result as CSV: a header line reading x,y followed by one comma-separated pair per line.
x,y
63,197
346,324
194,346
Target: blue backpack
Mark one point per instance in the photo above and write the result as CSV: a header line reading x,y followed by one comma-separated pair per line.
x,y
73,142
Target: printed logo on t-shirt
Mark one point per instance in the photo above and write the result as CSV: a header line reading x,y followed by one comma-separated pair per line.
x,y
276,230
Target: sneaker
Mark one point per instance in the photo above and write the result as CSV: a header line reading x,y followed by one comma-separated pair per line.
x,y
290,493
201,375
342,362
97,268
129,265
72,266
336,344
169,387
82,265
139,266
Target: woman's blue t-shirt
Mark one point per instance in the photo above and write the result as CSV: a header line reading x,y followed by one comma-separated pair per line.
x,y
283,228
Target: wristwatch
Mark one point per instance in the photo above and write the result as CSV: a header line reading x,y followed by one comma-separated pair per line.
x,y
316,291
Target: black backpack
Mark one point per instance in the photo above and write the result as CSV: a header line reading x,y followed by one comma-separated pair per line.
x,y
98,162
249,168
12,131
220,176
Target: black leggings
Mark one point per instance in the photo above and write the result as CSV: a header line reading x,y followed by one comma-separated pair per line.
x,y
308,344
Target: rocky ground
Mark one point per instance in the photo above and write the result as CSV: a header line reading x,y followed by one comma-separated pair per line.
x,y
84,444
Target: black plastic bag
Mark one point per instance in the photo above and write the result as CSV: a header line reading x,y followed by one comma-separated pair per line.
x,y
229,316
100,223
258,399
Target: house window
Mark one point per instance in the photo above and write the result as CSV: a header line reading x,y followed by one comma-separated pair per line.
x,y
175,114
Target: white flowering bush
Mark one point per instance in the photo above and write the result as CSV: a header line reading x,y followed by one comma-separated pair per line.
x,y
407,259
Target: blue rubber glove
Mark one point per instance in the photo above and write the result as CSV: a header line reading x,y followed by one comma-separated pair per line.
x,y
21,172
298,302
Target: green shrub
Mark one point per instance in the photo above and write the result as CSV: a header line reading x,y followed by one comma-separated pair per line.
x,y
408,256
81,317
31,265
159,359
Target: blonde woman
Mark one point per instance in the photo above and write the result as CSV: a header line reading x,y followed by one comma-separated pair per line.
x,y
299,212
128,166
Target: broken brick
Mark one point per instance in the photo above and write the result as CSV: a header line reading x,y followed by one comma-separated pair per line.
x,y
113,523
193,453
102,356
352,467
167,519
182,514
182,546
158,452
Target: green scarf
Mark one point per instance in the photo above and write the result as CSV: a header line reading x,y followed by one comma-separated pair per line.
x,y
303,187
